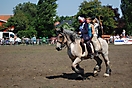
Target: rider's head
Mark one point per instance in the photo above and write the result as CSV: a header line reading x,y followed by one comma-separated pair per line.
x,y
56,24
81,19
88,19
95,20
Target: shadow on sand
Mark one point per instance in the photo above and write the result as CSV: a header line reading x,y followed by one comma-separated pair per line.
x,y
70,76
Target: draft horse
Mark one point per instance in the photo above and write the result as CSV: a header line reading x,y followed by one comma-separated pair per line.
x,y
71,40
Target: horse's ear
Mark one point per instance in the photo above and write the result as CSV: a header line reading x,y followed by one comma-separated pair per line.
x,y
58,30
61,29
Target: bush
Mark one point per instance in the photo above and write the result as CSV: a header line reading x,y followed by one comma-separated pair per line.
x,y
27,33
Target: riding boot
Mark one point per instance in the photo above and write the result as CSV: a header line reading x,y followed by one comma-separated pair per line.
x,y
96,53
83,47
89,50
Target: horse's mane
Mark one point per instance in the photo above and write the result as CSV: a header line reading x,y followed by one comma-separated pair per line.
x,y
72,35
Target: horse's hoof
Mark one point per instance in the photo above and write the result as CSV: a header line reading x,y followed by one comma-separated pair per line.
x,y
106,75
95,73
79,77
97,69
83,55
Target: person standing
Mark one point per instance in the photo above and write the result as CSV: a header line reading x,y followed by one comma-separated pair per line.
x,y
11,39
123,33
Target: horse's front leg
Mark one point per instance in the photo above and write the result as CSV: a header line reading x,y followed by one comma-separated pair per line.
x,y
77,68
107,63
97,68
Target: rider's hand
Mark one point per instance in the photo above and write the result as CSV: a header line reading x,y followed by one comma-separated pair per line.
x,y
94,35
79,32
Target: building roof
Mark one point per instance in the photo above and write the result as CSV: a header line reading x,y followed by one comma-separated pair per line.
x,y
4,18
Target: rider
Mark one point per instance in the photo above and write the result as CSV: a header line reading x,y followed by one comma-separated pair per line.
x,y
82,22
86,33
96,25
95,41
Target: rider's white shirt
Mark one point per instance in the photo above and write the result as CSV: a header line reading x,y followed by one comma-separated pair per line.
x,y
96,25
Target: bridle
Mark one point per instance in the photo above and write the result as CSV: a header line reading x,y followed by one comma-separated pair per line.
x,y
62,36
61,42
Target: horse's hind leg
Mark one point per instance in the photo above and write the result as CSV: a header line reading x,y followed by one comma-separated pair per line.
x,y
97,68
107,63
77,68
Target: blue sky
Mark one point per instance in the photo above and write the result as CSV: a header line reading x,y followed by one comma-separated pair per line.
x,y
65,7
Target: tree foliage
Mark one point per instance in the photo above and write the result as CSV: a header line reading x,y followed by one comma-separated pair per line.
x,y
23,19
29,17
38,19
126,7
94,8
46,11
66,22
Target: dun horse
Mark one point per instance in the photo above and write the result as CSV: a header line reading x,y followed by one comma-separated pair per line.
x,y
72,41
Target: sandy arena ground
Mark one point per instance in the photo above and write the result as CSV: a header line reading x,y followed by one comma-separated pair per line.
x,y
44,67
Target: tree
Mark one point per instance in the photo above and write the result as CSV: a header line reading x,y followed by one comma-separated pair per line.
x,y
46,11
126,7
94,8
109,22
66,18
24,18
119,20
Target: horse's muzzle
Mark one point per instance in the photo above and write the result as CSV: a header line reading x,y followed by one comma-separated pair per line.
x,y
58,48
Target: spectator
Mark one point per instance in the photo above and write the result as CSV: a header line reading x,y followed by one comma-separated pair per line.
x,y
11,40
111,39
123,33
127,36
117,36
34,39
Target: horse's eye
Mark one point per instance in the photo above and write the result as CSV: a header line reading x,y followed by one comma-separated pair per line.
x,y
60,36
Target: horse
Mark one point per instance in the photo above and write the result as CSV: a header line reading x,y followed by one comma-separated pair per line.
x,y
71,40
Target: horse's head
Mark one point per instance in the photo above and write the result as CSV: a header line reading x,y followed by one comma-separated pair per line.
x,y
61,39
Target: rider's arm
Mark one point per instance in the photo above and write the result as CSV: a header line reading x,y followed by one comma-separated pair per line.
x,y
93,30
85,29
96,25
81,26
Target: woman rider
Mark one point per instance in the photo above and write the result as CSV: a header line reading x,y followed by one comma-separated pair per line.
x,y
87,32
95,41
